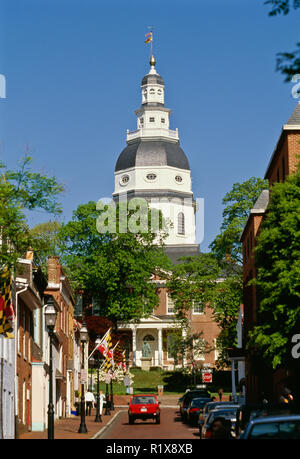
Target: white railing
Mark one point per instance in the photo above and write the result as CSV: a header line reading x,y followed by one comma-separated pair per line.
x,y
152,132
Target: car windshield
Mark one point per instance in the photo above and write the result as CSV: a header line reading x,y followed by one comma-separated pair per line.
x,y
143,400
231,413
286,429
199,402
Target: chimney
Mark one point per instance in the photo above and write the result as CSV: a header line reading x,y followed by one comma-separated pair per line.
x,y
53,270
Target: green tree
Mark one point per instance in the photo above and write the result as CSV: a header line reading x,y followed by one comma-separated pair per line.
x,y
225,302
22,190
45,241
288,63
278,274
192,281
115,267
238,203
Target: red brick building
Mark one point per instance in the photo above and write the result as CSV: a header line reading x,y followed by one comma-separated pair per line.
x,y
59,287
29,298
283,162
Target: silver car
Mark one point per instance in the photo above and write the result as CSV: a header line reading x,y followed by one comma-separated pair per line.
x,y
273,427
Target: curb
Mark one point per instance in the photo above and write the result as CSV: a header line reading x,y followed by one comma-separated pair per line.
x,y
95,437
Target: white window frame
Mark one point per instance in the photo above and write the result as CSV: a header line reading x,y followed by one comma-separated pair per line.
x,y
195,312
169,299
201,356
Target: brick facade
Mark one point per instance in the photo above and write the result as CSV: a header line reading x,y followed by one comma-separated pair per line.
x,y
284,162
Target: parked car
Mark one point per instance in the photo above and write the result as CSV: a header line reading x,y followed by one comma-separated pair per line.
x,y
188,396
194,408
210,406
143,407
282,426
228,412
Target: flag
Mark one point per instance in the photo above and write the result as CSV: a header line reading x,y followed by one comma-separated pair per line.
x,y
109,356
118,355
6,306
148,37
102,346
124,362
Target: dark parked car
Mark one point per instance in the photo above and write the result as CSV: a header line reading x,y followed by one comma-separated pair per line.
x,y
194,408
251,411
228,412
188,396
273,427
211,406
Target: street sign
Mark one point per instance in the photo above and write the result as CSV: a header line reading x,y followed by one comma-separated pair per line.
x,y
126,381
83,376
207,377
107,378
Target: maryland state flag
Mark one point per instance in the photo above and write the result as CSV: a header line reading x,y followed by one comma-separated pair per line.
x,y
118,355
109,357
148,37
6,307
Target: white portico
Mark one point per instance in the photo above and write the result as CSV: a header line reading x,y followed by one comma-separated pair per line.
x,y
151,331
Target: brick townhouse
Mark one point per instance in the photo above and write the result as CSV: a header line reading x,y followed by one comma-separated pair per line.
x,y
283,162
30,284
59,287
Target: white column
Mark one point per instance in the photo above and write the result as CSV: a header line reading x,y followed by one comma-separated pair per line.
x,y
160,354
134,346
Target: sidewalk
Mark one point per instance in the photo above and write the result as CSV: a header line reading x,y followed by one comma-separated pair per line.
x,y
68,428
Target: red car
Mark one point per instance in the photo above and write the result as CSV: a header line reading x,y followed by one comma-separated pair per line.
x,y
144,407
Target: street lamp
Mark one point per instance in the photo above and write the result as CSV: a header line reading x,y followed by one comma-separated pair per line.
x,y
98,415
83,338
50,319
107,381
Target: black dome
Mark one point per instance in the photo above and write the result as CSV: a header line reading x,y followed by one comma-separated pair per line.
x,y
152,79
152,153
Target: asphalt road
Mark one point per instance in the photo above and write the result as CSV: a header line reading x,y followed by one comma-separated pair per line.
x,y
170,426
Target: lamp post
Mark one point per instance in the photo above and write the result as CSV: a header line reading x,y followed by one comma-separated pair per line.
x,y
98,415
107,381
50,319
83,338
111,395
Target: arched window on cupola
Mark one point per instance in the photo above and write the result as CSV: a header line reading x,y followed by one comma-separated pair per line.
x,y
180,221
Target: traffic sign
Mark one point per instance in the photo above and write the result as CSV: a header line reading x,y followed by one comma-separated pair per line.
x,y
207,377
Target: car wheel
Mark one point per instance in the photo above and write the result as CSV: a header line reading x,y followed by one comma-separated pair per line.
x,y
158,420
131,419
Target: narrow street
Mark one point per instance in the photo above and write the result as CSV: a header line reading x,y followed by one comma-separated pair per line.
x,y
170,427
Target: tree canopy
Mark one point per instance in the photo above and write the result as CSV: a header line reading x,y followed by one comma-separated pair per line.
x,y
278,273
238,202
288,63
23,190
114,267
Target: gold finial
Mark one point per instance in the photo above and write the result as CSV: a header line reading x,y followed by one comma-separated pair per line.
x,y
152,61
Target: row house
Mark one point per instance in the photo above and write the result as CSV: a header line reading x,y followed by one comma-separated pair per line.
x,y
283,162
24,359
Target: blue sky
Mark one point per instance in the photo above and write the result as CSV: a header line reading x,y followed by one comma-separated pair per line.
x,y
73,70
